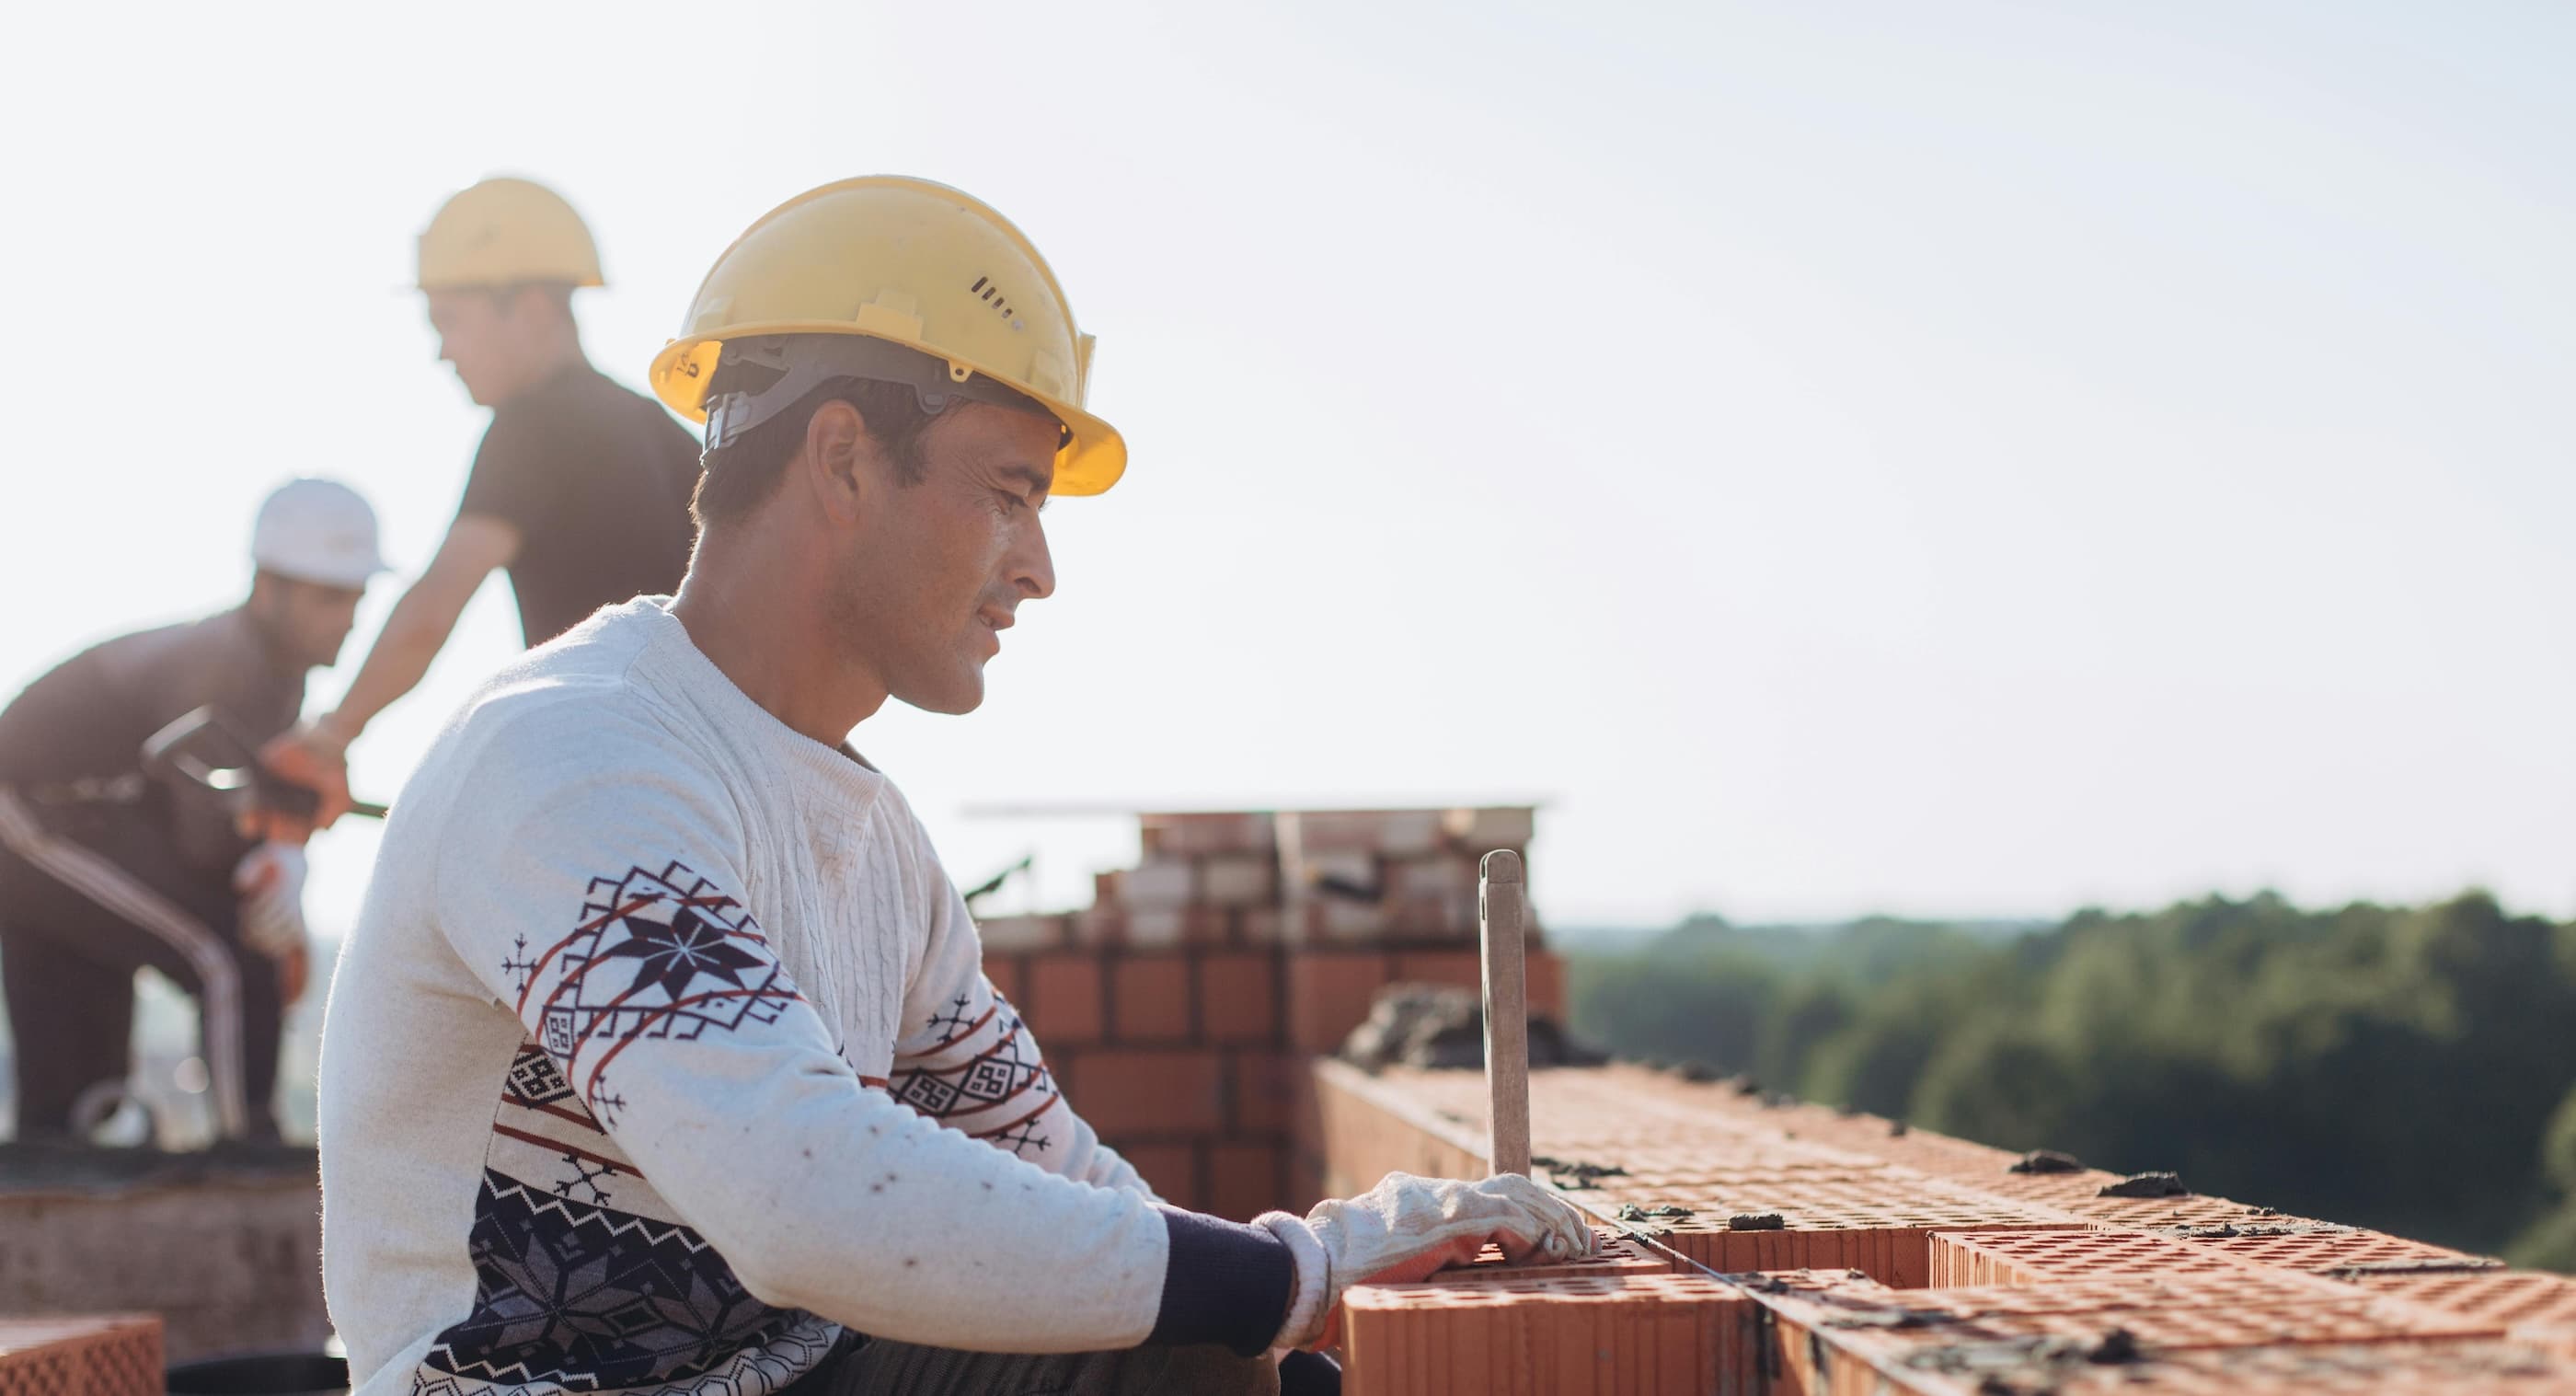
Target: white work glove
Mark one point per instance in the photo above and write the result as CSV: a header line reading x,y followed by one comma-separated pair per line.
x,y
270,882
1405,1228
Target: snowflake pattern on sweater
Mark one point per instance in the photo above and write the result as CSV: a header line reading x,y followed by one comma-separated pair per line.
x,y
575,1294
657,954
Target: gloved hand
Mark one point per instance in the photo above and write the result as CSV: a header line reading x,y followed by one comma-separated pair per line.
x,y
1405,1228
314,755
270,882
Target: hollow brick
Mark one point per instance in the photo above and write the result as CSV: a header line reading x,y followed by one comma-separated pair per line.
x,y
1238,996
1149,999
1144,1092
1329,993
1062,998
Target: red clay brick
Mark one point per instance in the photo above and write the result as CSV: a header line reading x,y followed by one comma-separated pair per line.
x,y
2538,1309
1439,878
1062,998
1481,831
2398,1369
92,1354
1149,999
1245,1180
1166,928
1305,1182
1950,1318
1463,968
1238,996
1617,1254
1415,920
1192,834
1160,881
2330,1250
1546,981
1171,1170
1543,980
1343,921
1271,1091
1013,934
1627,1334
1239,879
1009,975
1102,925
1259,925
1329,993
1127,1092
1397,831
2042,1257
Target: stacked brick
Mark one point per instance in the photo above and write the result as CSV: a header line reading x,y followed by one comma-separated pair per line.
x,y
1183,1009
1850,1256
81,1355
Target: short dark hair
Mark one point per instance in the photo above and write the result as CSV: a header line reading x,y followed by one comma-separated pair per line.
x,y
557,294
741,474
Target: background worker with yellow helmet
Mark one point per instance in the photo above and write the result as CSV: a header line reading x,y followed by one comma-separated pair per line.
x,y
661,986
580,488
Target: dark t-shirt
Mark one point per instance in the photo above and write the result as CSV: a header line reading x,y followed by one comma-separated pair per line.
x,y
597,481
84,724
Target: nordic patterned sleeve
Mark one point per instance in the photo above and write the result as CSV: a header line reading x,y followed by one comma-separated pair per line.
x,y
967,1059
599,899
969,1062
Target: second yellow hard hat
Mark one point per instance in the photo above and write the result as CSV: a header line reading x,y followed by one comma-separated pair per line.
x,y
507,232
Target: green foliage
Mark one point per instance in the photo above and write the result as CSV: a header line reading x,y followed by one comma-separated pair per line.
x,y
2407,1068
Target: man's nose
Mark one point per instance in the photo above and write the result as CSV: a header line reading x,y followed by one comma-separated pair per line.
x,y
1036,571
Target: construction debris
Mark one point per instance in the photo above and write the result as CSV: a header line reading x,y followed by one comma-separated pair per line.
x,y
1443,1028
2146,1185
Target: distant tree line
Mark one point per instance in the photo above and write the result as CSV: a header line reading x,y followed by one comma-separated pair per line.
x,y
2412,1069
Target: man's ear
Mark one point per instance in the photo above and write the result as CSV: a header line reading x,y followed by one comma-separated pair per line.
x,y
838,462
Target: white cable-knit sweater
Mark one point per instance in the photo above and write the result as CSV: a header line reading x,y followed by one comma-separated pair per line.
x,y
662,1052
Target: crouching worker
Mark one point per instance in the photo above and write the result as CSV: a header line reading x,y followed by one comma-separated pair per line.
x,y
105,867
662,1059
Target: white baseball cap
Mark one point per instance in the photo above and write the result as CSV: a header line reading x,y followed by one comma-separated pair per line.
x,y
317,531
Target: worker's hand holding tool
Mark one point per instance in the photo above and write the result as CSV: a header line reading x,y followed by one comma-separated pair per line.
x,y
313,755
1405,1228
270,882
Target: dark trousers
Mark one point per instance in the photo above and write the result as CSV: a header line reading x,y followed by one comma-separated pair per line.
x,y
882,1368
88,897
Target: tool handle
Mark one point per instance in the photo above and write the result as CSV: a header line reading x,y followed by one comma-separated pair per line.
x,y
1502,915
173,752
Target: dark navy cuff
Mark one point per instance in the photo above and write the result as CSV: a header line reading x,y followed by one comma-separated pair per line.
x,y
1227,1283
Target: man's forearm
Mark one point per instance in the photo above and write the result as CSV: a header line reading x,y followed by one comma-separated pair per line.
x,y
422,621
412,637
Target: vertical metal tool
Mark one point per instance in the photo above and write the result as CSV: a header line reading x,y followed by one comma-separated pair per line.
x,y
1502,915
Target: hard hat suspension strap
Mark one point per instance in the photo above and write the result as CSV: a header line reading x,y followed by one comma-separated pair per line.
x,y
768,374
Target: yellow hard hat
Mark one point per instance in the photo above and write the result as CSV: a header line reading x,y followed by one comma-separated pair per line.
x,y
909,263
507,232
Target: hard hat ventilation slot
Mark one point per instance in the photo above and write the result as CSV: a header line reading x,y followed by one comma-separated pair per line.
x,y
991,295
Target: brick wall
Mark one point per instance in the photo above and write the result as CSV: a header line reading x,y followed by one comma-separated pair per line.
x,y
221,1247
1183,1009
1768,1247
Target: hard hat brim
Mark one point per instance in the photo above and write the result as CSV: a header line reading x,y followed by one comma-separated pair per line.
x,y
1093,458
580,281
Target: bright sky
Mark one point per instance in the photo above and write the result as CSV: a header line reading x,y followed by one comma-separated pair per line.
x,y
1942,458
